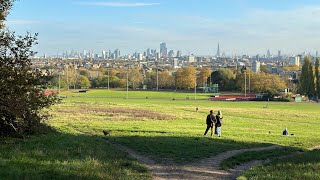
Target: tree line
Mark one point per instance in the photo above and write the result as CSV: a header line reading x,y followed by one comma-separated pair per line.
x,y
184,78
309,82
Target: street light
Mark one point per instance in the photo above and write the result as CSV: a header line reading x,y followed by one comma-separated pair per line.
x,y
195,88
157,78
108,77
59,86
128,83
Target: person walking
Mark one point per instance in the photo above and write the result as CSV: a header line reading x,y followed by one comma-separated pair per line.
x,y
217,125
210,121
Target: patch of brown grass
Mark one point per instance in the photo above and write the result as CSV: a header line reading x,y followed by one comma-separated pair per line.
x,y
118,113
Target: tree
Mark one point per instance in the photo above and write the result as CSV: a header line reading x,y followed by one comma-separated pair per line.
x,y
317,78
84,82
186,78
22,88
5,6
225,78
291,68
203,76
166,80
135,78
306,81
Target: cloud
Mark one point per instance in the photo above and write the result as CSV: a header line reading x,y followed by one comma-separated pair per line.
x,y
22,22
118,4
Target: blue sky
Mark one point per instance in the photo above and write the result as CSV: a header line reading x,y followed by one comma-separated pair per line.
x,y
241,26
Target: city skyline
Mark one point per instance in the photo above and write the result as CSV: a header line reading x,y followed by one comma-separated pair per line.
x,y
240,26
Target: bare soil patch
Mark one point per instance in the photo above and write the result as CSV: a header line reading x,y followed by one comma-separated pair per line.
x,y
119,113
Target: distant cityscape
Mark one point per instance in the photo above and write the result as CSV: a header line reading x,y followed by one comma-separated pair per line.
x,y
175,59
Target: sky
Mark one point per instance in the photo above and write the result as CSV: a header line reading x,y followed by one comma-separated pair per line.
x,y
192,26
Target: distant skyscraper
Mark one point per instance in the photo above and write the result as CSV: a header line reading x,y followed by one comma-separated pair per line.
x,y
279,55
317,53
179,54
84,53
255,66
171,54
103,55
163,50
148,53
116,54
295,60
218,51
268,54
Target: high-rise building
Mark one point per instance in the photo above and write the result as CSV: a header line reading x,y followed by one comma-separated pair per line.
x,y
179,54
84,53
191,59
279,55
116,54
148,53
163,50
255,66
268,54
218,51
171,54
103,54
317,53
140,57
295,60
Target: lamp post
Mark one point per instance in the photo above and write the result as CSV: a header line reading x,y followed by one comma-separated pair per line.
x,y
108,77
59,86
195,88
68,77
157,78
245,83
249,82
127,83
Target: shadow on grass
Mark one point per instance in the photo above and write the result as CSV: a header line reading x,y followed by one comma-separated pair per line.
x,y
66,156
181,149
303,166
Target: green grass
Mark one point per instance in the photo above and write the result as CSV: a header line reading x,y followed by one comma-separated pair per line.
x,y
165,129
304,166
138,94
66,156
255,155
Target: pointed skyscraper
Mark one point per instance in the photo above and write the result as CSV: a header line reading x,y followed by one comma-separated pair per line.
x,y
218,50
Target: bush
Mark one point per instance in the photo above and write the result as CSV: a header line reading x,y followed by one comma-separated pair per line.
x,y
22,89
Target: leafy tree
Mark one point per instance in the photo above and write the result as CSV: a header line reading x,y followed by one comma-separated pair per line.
x,y
203,75
5,6
291,68
263,68
151,80
306,81
166,80
135,78
22,89
225,78
186,78
84,82
317,78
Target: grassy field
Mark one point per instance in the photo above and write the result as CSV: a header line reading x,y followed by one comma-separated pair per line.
x,y
165,129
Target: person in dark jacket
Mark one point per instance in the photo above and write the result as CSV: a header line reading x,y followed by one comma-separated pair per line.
x,y
217,125
210,121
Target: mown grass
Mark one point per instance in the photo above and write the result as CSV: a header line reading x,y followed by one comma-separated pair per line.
x,y
58,155
138,94
304,166
256,155
165,129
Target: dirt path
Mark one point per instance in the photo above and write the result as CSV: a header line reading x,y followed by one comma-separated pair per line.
x,y
204,169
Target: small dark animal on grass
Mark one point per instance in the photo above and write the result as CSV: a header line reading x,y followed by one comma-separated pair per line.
x,y
106,133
